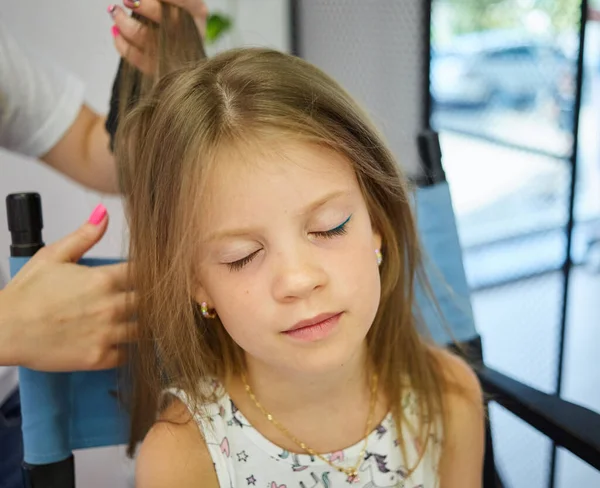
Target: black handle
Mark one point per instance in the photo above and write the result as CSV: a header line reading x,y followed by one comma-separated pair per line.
x,y
25,223
430,152
569,425
55,475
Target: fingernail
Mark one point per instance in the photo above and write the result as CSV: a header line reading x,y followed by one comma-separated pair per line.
x,y
111,9
131,3
114,30
97,215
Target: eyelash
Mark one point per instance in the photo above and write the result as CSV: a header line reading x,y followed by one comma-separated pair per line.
x,y
340,230
239,264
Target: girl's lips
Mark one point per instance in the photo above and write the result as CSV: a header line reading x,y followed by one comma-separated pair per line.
x,y
314,329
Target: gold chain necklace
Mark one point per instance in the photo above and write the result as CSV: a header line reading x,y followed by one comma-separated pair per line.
x,y
351,473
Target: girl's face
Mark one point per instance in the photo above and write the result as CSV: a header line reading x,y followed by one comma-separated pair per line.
x,y
287,257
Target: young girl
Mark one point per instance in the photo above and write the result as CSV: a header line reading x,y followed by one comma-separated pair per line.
x,y
275,257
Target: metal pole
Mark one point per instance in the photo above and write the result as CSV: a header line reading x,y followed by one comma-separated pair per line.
x,y
426,60
294,19
567,265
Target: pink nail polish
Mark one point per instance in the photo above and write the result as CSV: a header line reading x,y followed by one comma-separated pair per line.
x,y
111,9
131,3
114,30
97,215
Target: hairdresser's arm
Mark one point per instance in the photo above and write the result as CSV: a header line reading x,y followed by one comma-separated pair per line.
x,y
44,116
461,464
131,40
83,153
175,454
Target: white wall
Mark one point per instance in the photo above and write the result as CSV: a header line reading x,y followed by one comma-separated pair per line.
x,y
76,35
374,48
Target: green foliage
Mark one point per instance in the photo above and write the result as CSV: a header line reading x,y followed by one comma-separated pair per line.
x,y
216,26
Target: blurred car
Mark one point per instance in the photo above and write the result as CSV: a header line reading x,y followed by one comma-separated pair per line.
x,y
500,68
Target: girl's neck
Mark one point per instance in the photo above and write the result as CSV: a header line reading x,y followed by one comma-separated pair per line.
x,y
328,411
287,391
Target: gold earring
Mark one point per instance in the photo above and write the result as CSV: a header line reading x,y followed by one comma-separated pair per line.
x,y
379,257
206,312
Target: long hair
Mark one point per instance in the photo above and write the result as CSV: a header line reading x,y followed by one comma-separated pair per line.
x,y
173,43
165,148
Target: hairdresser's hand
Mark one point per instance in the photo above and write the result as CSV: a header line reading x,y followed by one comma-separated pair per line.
x,y
59,316
131,36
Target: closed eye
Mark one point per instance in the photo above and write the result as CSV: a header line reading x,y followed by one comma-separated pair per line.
x,y
340,230
240,263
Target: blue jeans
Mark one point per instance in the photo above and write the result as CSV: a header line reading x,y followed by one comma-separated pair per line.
x,y
11,443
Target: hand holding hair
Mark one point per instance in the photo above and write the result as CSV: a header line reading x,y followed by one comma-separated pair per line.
x,y
131,33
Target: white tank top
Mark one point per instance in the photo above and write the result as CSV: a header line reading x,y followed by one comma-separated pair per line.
x,y
243,458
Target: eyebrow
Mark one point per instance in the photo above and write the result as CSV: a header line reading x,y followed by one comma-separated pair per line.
x,y
312,207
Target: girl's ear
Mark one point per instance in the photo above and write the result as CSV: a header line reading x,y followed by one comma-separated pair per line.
x,y
377,240
205,302
201,295
376,236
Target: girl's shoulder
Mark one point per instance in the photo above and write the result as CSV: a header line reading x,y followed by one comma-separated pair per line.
x,y
174,452
461,463
460,378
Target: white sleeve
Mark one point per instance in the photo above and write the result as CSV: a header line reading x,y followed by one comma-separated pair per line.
x,y
38,101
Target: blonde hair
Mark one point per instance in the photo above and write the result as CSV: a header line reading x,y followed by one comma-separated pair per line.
x,y
164,148
173,43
